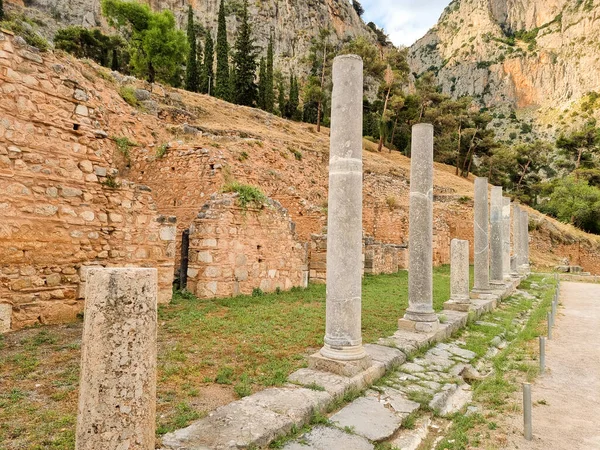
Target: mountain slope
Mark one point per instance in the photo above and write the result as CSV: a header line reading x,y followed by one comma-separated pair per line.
x,y
539,57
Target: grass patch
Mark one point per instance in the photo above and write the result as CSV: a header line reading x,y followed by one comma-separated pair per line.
x,y
247,195
127,93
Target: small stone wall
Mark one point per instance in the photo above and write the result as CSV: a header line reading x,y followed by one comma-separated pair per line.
x,y
235,250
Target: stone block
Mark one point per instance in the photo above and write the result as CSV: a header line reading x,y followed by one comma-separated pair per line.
x,y
326,438
369,418
5,317
344,368
388,356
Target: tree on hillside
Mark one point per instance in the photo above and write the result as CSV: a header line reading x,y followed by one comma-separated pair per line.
x,y
157,47
358,8
581,147
269,82
317,87
208,75
262,85
244,61
222,80
91,43
281,100
191,75
1,10
293,101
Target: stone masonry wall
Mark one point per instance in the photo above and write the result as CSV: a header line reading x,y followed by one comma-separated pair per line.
x,y
63,207
235,250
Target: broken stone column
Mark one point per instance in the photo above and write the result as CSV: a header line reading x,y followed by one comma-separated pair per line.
x,y
459,276
516,232
506,237
117,394
420,315
481,285
496,240
343,351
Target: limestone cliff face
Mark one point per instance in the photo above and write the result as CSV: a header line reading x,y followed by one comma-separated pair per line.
x,y
533,55
292,22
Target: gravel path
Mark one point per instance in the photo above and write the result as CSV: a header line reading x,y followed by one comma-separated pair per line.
x,y
571,385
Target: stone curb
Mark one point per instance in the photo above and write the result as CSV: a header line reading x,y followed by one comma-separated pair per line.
x,y
262,417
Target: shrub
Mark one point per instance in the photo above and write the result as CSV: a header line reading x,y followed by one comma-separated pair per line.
x,y
246,194
128,94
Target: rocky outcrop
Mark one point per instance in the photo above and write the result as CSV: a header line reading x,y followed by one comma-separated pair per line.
x,y
293,23
525,55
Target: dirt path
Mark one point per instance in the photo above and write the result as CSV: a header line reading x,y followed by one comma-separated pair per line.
x,y
571,385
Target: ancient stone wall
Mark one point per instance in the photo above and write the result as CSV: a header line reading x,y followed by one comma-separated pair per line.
x,y
234,250
63,206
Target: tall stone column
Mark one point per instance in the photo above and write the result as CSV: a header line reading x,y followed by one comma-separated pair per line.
x,y
496,240
525,240
459,276
516,231
343,340
117,393
420,315
481,237
506,237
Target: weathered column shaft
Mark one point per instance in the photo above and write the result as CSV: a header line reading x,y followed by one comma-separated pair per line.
x,y
117,393
343,339
459,271
420,228
516,229
506,236
496,238
525,237
481,238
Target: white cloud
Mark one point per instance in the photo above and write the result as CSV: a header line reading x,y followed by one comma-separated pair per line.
x,y
405,21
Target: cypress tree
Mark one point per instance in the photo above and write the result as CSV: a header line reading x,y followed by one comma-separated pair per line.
x,y
269,87
208,73
244,61
294,99
222,81
191,75
281,101
262,85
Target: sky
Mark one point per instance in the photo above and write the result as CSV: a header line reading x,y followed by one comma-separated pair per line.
x,y
405,21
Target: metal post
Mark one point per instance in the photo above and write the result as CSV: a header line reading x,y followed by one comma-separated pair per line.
x,y
542,354
527,411
549,320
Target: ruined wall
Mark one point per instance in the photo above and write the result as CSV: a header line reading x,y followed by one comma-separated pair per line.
x,y
234,250
63,206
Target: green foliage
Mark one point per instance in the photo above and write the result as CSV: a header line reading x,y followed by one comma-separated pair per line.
x,y
297,153
222,80
269,81
127,93
581,147
124,145
281,99
257,292
161,151
156,46
192,74
224,376
243,388
262,85
111,182
358,8
576,202
21,26
93,44
291,110
1,10
382,38
208,75
244,60
246,194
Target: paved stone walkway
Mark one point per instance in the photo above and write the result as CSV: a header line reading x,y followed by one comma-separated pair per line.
x,y
571,385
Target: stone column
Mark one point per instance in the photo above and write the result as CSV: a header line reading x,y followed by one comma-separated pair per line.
x,y
506,237
459,276
117,393
496,240
420,315
343,339
525,240
516,231
481,238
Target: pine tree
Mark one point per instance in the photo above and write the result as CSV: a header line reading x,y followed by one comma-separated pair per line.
x,y
191,75
244,61
292,111
222,81
262,85
281,101
269,84
208,73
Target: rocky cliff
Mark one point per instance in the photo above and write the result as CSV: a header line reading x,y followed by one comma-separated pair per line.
x,y
538,57
292,22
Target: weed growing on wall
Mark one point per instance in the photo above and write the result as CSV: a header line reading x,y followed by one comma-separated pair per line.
x,y
246,194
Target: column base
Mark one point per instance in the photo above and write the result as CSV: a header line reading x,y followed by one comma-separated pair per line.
x,y
345,368
458,305
482,293
418,327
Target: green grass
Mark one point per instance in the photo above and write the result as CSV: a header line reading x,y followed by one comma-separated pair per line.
x,y
246,343
514,364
